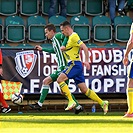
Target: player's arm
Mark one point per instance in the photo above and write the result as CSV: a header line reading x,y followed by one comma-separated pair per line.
x,y
128,49
85,49
77,42
64,39
51,50
64,43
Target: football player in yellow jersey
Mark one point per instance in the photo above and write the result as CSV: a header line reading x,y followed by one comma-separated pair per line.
x,y
130,76
75,68
58,40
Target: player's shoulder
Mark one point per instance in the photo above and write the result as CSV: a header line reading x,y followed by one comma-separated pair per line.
x,y
74,34
59,35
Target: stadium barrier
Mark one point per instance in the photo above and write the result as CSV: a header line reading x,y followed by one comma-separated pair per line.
x,y
56,103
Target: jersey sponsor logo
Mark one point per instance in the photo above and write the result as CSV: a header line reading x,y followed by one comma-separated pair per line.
x,y
25,62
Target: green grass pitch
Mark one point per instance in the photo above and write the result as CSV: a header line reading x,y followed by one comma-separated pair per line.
x,y
65,123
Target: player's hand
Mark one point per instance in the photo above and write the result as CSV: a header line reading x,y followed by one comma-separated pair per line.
x,y
1,71
62,48
87,65
125,61
38,47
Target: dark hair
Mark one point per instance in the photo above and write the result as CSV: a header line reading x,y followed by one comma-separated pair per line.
x,y
50,27
65,23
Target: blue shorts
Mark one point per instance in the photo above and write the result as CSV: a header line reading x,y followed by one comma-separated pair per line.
x,y
74,71
130,74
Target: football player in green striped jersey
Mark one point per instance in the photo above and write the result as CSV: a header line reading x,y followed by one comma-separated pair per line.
x,y
58,40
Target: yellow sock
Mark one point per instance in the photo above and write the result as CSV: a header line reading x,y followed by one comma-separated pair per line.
x,y
130,100
65,90
92,95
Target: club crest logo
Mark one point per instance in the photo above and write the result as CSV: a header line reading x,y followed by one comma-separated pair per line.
x,y
25,62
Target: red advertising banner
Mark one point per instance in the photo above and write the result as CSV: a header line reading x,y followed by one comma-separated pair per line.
x,y
30,67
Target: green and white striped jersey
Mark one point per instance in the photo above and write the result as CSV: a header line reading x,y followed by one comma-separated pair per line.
x,y
57,41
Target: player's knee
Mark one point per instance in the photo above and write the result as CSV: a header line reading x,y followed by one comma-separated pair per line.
x,y
83,91
45,82
130,83
59,80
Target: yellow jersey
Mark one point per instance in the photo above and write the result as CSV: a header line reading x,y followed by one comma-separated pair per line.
x,y
72,52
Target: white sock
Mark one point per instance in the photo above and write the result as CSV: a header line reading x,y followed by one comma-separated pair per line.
x,y
40,104
78,107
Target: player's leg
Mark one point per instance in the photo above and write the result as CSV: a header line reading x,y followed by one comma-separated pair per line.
x,y
44,93
45,88
78,107
64,88
70,72
79,80
92,95
5,108
130,92
129,98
